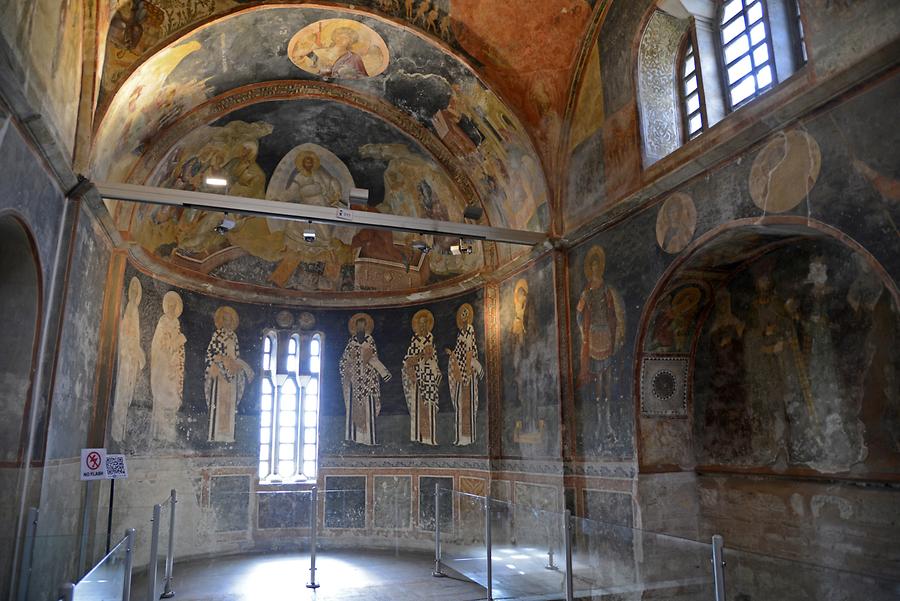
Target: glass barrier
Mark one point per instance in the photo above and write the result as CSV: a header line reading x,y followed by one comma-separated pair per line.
x,y
317,535
107,580
757,576
612,559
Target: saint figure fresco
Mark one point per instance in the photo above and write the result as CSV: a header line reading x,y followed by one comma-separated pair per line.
x,y
226,376
601,323
167,369
132,360
674,324
339,49
841,434
526,370
361,374
465,370
421,378
776,371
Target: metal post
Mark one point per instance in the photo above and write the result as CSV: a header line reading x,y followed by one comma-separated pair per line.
x,y
487,544
437,573
550,563
154,553
109,513
67,592
85,526
570,580
314,518
718,561
170,552
27,552
129,563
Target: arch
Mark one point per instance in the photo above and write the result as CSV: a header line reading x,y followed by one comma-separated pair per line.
x,y
677,340
20,318
21,303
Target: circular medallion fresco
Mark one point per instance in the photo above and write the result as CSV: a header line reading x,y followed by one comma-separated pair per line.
x,y
339,49
784,171
676,222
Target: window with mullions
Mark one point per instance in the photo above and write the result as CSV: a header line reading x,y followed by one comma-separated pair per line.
x,y
693,116
747,53
289,408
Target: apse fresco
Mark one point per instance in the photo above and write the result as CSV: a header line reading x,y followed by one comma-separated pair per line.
x,y
529,56
529,363
795,365
440,98
300,152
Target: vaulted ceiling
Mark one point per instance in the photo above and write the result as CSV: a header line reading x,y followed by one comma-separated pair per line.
x,y
431,105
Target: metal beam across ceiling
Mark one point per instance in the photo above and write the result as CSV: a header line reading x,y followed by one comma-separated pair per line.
x,y
301,212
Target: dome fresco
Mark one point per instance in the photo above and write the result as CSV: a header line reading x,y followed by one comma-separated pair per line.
x,y
415,124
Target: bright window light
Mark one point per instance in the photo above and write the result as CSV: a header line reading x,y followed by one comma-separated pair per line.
x,y
216,181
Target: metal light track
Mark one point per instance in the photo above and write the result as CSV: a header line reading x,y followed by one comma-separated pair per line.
x,y
301,212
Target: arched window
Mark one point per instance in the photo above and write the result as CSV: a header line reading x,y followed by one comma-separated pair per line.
x,y
761,43
289,408
747,53
693,113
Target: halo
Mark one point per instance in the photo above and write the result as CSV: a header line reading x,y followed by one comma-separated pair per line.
x,y
222,313
135,284
423,313
595,254
520,285
298,159
171,295
370,323
685,299
459,315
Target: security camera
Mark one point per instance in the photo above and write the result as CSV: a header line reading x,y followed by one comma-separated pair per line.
x,y
309,234
226,226
421,247
461,248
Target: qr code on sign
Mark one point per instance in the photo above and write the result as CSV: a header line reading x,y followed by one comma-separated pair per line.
x,y
115,466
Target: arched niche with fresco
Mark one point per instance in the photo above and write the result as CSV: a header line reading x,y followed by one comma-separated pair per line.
x,y
769,349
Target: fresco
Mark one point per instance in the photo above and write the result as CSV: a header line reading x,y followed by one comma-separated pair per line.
x,y
421,379
531,63
676,222
792,353
46,36
289,162
227,375
790,157
339,49
361,376
132,360
600,318
529,356
211,399
465,369
433,95
167,368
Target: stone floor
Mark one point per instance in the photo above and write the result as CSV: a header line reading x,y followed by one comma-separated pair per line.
x,y
343,575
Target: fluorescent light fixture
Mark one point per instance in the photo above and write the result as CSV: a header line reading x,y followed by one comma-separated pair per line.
x,y
216,181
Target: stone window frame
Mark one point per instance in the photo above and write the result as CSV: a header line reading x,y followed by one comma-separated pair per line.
x,y
784,39
788,53
688,50
303,368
